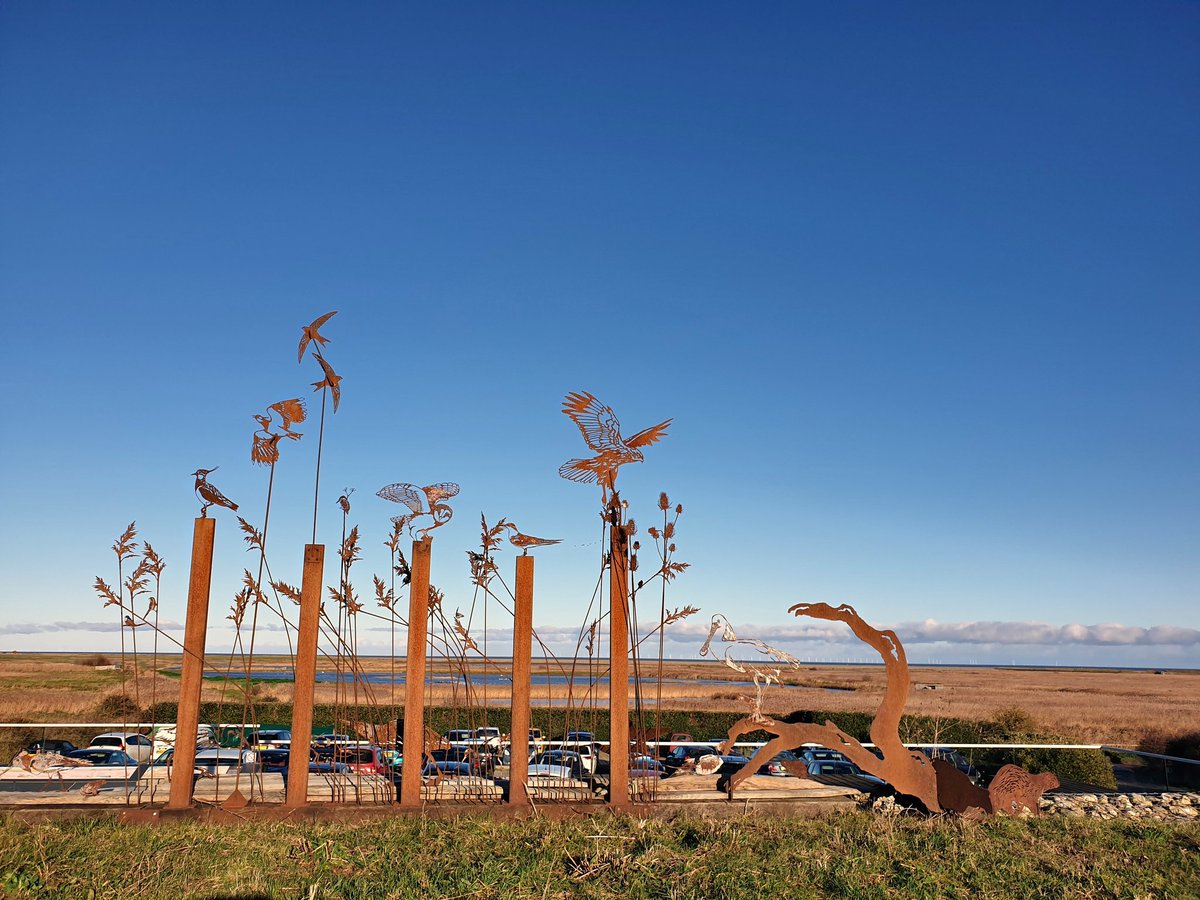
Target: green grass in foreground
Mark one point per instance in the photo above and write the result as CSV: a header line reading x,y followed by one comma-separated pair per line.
x,y
857,855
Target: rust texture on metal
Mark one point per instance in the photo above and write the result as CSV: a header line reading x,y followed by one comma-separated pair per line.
x,y
331,380
311,333
602,432
421,501
264,447
414,687
208,493
192,673
1014,790
618,691
524,542
305,673
521,674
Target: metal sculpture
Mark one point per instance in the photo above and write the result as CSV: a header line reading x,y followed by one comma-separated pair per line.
x,y
264,449
312,333
524,541
411,496
332,380
602,432
209,494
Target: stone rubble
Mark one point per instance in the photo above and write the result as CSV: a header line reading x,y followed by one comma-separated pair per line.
x,y
1163,806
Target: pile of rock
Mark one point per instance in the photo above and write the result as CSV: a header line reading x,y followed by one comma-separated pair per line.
x,y
1123,806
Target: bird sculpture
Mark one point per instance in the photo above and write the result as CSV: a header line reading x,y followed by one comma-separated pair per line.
x,y
209,494
332,380
602,432
264,449
312,333
411,496
525,541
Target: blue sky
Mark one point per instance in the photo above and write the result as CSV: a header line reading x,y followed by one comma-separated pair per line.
x,y
917,283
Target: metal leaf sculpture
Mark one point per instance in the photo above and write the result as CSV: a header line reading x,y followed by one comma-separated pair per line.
x,y
209,494
524,541
602,432
416,498
264,449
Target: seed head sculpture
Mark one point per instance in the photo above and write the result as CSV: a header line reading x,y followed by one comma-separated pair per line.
x,y
411,496
209,494
602,432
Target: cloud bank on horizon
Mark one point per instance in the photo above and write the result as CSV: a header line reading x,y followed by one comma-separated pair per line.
x,y
930,631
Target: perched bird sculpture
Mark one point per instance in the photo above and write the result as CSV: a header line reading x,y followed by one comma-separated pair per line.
x,y
411,496
209,494
331,380
525,541
602,432
312,333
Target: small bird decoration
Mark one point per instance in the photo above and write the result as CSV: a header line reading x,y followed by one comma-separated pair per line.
x,y
415,498
209,494
312,333
524,541
332,380
602,432
264,449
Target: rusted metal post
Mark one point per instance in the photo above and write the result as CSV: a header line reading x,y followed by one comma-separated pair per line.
x,y
305,676
187,719
414,676
618,680
518,765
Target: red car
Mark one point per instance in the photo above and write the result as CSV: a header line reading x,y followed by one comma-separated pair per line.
x,y
366,760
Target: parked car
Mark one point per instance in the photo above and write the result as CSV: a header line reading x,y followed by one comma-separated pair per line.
x,y
102,756
775,766
731,763
459,735
216,760
365,760
956,759
274,737
678,739
277,760
579,737
678,757
479,763
51,745
567,759
445,768
822,754
646,767
136,745
835,767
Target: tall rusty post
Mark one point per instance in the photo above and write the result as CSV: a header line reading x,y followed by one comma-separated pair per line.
x,y
305,676
618,675
414,676
518,771
187,719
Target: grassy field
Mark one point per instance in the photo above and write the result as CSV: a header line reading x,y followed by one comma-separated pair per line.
x,y
1081,705
855,855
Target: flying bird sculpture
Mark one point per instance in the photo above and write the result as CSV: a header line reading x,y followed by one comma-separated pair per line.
x,y
602,432
264,449
209,494
312,333
415,499
332,380
525,541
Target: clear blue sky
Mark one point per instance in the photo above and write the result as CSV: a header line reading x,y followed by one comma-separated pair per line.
x,y
918,283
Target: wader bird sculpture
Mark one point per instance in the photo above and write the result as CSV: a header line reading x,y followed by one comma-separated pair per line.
x,y
411,496
209,494
602,432
525,541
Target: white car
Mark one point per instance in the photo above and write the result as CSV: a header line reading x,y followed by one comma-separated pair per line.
x,y
138,746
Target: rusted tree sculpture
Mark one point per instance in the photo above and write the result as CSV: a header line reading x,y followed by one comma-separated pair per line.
x,y
909,772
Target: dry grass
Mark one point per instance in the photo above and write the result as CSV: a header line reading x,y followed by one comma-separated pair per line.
x,y
1083,705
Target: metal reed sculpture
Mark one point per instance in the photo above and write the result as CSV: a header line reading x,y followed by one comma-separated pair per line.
x,y
602,432
416,498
